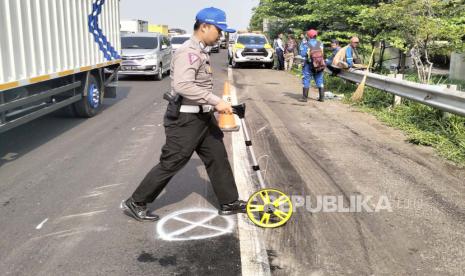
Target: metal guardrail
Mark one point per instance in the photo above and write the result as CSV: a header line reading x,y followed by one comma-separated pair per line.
x,y
432,95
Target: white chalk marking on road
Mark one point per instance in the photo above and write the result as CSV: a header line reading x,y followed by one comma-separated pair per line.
x,y
94,194
108,186
38,227
265,171
261,129
51,234
89,214
123,160
149,125
9,156
219,229
254,258
65,233
177,235
192,225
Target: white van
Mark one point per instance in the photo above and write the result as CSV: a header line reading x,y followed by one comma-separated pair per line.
x,y
145,54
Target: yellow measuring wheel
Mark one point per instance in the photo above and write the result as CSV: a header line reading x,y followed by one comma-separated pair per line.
x,y
269,208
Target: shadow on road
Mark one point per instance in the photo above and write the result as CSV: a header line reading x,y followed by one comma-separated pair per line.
x,y
22,139
178,189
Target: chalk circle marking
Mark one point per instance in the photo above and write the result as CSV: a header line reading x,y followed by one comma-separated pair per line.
x,y
206,215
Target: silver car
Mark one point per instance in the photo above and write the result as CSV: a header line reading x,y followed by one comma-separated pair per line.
x,y
145,54
178,40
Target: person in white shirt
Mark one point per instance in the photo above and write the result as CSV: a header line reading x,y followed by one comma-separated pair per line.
x,y
280,51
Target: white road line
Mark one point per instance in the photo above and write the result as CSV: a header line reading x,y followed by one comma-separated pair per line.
x,y
254,258
38,227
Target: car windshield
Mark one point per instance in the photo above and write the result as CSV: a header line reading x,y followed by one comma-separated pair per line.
x,y
139,42
260,40
179,39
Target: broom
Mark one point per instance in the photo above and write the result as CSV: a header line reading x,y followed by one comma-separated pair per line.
x,y
358,95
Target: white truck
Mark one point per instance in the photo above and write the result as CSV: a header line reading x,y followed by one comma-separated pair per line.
x,y
134,26
52,56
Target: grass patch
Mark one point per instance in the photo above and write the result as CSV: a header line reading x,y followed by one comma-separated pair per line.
x,y
423,125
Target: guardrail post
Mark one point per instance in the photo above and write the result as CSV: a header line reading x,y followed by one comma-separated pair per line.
x,y
452,87
447,88
397,99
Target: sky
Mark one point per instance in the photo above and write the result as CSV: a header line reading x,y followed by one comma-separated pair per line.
x,y
181,13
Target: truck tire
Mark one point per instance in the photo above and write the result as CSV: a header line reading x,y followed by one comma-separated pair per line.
x,y
90,105
269,65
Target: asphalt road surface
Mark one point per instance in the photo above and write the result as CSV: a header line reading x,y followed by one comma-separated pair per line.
x,y
62,180
75,172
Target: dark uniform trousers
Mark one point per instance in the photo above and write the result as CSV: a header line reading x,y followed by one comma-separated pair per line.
x,y
191,132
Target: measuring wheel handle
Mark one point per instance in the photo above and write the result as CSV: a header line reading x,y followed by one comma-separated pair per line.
x,y
239,110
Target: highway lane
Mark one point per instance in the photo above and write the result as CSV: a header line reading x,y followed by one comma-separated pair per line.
x,y
62,180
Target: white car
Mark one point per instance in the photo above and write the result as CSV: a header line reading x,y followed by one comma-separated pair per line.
x,y
215,48
146,54
178,40
223,42
251,48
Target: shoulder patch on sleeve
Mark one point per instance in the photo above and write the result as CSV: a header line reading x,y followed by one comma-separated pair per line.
x,y
193,58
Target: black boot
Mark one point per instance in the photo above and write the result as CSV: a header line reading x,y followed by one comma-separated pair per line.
x,y
238,206
137,210
321,91
304,95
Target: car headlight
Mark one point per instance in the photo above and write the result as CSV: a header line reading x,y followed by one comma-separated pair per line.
x,y
239,46
150,57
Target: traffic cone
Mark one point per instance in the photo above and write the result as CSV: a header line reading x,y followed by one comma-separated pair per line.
x,y
227,122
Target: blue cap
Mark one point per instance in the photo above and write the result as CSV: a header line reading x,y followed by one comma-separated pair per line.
x,y
215,17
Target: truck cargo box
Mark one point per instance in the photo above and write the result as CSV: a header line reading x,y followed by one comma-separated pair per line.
x,y
46,39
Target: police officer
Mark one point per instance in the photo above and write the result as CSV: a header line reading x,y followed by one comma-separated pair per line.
x,y
196,128
308,71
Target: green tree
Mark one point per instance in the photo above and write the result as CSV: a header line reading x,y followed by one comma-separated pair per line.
x,y
416,27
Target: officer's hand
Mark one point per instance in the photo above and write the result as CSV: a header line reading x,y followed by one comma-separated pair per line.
x,y
224,107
